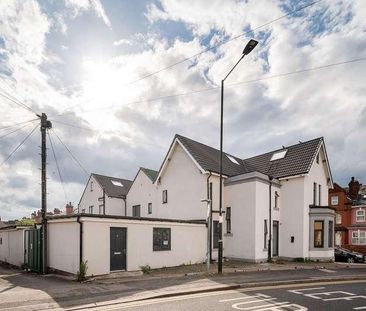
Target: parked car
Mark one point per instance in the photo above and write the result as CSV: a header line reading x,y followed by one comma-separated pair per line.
x,y
342,254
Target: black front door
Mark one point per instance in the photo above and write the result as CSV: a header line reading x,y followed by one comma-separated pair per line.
x,y
275,238
118,248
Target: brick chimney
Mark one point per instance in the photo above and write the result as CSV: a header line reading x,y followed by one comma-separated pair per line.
x,y
354,188
69,209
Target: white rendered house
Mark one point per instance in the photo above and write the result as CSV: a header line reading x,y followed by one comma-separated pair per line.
x,y
282,194
104,195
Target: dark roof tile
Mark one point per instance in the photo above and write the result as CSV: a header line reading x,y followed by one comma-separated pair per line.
x,y
112,190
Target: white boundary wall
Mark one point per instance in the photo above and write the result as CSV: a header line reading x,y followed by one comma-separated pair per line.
x,y
12,246
188,244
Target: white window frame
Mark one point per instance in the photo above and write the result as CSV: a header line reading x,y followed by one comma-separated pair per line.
x,y
358,237
91,209
338,219
334,200
360,215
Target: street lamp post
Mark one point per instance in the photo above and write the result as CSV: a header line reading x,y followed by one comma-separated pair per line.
x,y
248,48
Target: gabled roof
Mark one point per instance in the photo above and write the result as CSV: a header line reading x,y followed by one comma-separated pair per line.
x,y
297,160
113,190
150,173
209,158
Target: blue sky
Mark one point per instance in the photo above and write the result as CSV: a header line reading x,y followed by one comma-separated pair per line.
x,y
76,59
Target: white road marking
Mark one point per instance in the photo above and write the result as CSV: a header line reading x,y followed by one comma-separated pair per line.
x,y
246,297
316,295
348,298
359,308
268,304
327,270
301,290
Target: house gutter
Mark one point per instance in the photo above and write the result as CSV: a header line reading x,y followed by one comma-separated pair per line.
x,y
125,206
269,259
209,223
80,241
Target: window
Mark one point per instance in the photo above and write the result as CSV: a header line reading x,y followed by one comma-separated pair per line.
x,y
149,208
338,219
101,209
319,233
136,211
91,209
91,186
165,196
359,237
320,195
279,155
265,234
232,159
228,220
276,200
1,241
360,215
317,158
161,239
330,233
314,193
334,200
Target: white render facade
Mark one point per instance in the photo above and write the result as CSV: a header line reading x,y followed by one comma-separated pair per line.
x,y
296,208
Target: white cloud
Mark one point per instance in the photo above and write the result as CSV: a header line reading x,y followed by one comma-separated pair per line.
x,y
79,6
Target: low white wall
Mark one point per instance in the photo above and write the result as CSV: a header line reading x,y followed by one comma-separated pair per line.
x,y
12,246
188,244
63,245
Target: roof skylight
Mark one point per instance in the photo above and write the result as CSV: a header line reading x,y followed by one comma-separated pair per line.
x,y
279,155
116,183
232,159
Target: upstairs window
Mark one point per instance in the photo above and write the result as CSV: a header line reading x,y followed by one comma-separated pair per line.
x,y
334,200
91,186
320,195
116,183
228,220
91,209
360,215
278,155
101,209
317,158
136,211
314,193
276,206
338,219
149,208
165,196
232,159
161,239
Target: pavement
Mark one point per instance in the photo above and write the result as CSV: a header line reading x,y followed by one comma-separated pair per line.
x,y
27,291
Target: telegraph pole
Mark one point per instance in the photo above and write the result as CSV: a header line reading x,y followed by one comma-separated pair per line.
x,y
45,124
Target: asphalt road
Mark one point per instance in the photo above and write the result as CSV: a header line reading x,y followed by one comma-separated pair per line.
x,y
339,296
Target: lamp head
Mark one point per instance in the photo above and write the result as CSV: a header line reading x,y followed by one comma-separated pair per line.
x,y
250,46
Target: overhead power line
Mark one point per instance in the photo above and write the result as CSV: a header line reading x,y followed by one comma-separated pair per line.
x,y
16,124
21,143
71,154
16,130
279,75
57,166
223,42
15,101
72,125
